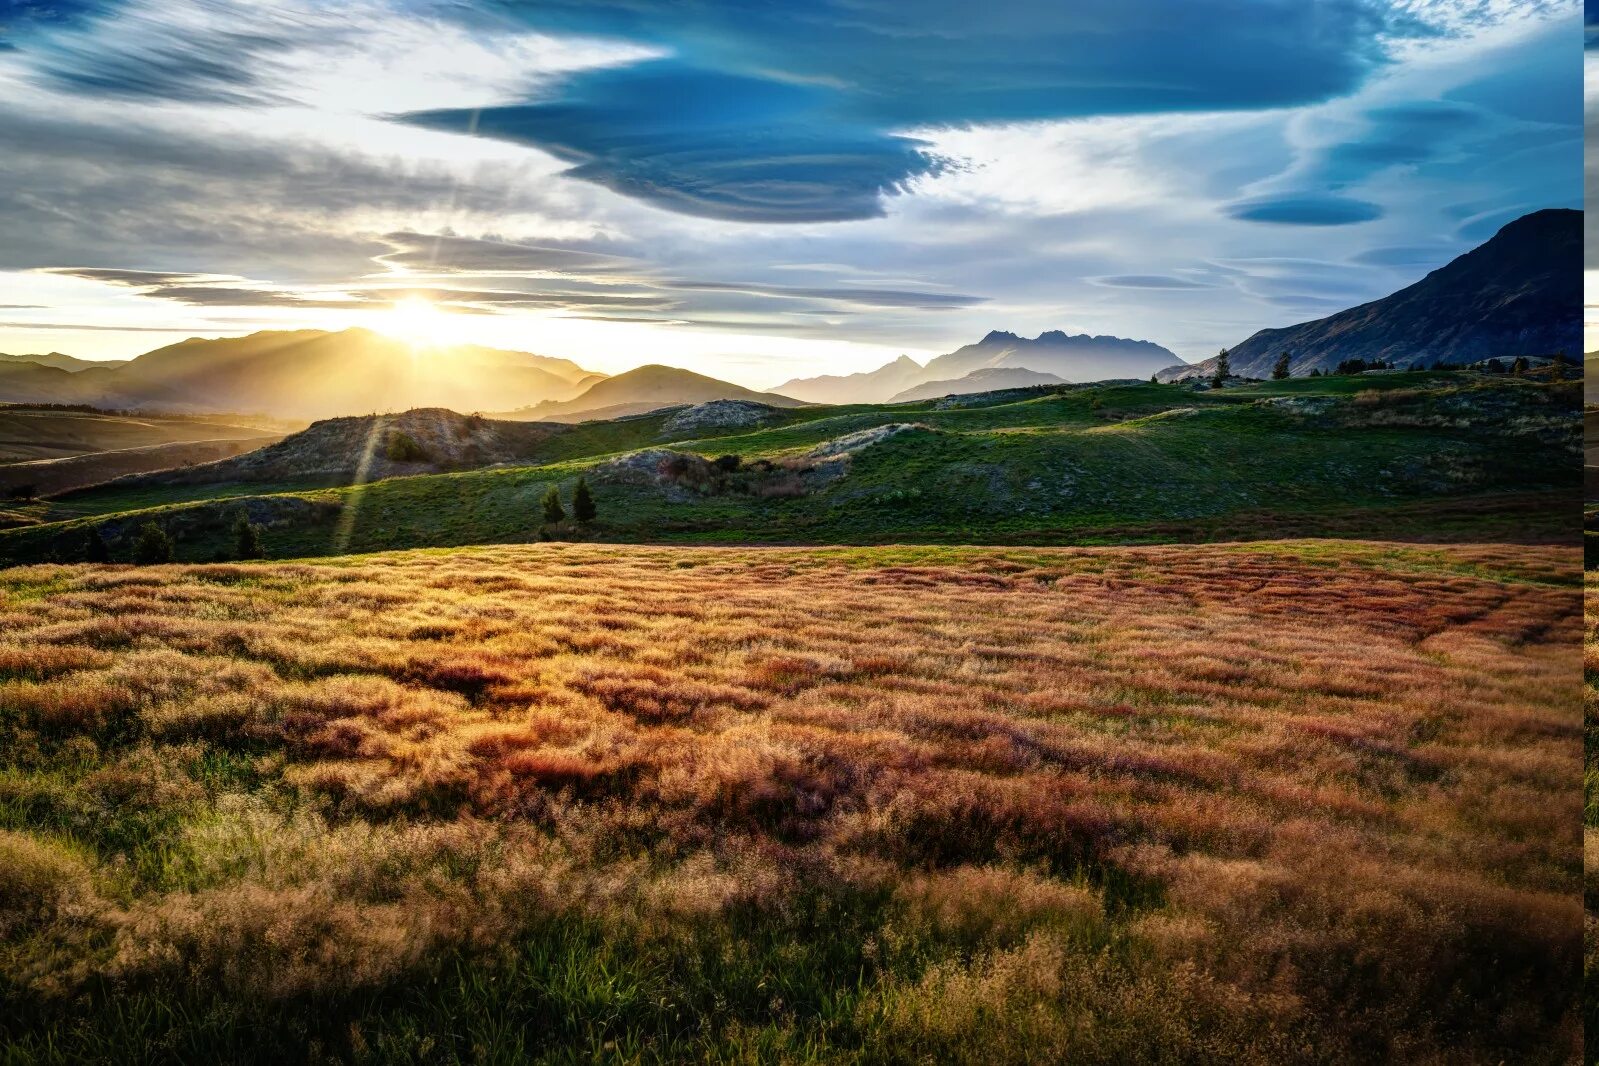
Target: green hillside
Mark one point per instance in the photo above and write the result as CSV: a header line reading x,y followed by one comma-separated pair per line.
x,y
1429,453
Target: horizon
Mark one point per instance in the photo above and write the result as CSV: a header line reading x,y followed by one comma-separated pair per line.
x,y
823,194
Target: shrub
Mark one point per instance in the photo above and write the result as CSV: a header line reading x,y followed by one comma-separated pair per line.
x,y
582,502
728,464
1280,369
403,448
153,545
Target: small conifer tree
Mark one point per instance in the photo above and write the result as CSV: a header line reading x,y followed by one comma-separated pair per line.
x,y
1223,371
97,550
582,502
1279,370
554,513
247,538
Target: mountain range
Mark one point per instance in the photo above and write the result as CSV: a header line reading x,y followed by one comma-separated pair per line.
x,y
1066,357
1519,293
643,389
302,374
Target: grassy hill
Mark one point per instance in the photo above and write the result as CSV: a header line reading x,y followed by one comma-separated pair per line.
x,y
1432,454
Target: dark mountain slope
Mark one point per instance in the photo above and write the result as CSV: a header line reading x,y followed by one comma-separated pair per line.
x,y
1520,293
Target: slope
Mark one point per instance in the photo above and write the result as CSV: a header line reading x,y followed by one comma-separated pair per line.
x,y
1520,293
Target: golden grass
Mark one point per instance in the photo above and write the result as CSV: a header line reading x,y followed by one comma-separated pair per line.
x,y
1298,801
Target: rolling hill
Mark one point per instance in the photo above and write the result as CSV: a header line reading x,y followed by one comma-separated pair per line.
x,y
1425,454
304,374
370,447
1520,293
644,389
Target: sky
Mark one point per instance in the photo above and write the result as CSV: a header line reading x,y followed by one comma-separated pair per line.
x,y
760,191
1590,179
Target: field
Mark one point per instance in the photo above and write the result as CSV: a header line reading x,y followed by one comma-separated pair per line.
x,y
1279,801
1427,455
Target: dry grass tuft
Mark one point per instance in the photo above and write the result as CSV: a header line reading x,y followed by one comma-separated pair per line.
x,y
1251,803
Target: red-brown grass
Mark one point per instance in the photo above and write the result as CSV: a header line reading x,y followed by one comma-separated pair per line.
x,y
1309,794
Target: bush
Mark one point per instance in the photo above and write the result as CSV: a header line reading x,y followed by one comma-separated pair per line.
x,y
153,546
403,448
582,502
728,464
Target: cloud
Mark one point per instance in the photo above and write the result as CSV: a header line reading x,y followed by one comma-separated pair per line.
x,y
703,142
476,255
132,278
1148,281
1407,256
1307,209
796,112
922,301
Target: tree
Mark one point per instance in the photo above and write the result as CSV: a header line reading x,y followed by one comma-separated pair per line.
x,y
97,550
1279,370
247,538
1519,367
153,545
1557,368
553,511
1152,380
1315,372
582,502
1223,371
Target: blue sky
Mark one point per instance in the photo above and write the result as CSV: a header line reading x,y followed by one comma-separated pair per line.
x,y
759,190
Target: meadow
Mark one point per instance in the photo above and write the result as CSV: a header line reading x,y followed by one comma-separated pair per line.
x,y
1282,801
1427,455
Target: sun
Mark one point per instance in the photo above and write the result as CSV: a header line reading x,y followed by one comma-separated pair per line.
x,y
419,322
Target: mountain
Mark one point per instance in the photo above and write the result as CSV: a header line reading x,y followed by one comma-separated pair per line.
x,y
648,388
304,374
872,386
1520,293
988,379
28,382
63,362
1075,358
1069,358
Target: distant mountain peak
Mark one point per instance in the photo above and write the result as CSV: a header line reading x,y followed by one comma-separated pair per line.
x,y
999,336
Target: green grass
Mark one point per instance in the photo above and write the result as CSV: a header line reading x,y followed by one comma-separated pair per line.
x,y
1452,454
